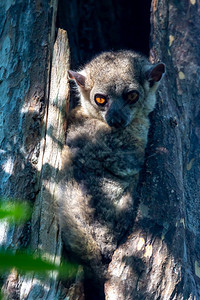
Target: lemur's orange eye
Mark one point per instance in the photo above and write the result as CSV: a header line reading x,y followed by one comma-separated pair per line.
x,y
132,97
100,99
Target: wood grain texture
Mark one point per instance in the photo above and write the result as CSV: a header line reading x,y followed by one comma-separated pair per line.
x,y
34,91
46,235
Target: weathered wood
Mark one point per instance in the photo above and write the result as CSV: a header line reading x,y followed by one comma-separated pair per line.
x,y
45,230
34,91
25,52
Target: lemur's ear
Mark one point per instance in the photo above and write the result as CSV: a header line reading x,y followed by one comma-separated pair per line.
x,y
79,78
155,73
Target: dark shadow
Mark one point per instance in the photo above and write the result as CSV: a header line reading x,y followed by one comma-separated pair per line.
x,y
95,26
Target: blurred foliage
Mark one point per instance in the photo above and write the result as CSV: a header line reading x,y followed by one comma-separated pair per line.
x,y
14,210
24,262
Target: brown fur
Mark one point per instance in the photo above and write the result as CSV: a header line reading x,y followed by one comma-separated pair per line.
x,y
101,163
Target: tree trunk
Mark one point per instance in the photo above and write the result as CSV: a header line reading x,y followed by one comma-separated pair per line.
x,y
160,257
45,233
34,93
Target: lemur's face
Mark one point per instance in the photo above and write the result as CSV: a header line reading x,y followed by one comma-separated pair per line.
x,y
116,89
118,102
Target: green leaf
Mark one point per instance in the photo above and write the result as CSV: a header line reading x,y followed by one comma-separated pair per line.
x,y
28,263
14,211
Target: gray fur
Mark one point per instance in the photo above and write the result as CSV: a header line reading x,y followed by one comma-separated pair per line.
x,y
100,164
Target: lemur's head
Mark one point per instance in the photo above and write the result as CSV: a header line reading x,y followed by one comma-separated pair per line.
x,y
117,87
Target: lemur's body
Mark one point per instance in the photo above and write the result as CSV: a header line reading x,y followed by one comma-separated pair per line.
x,y
106,140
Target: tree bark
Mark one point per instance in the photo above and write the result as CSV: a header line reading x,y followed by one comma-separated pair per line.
x,y
45,232
34,91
